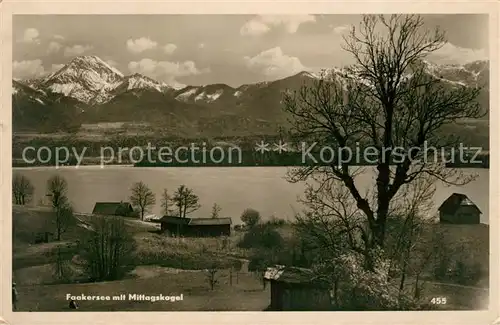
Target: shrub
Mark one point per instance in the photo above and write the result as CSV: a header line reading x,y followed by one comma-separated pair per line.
x,y
273,221
356,288
212,274
107,250
262,236
250,217
466,274
441,268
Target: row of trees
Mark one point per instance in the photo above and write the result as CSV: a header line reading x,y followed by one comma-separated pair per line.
x,y
57,187
182,203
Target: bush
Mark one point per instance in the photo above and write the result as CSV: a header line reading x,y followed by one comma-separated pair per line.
x,y
441,267
466,274
356,288
107,250
250,217
259,262
262,236
273,221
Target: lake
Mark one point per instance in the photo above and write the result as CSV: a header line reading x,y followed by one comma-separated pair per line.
x,y
234,189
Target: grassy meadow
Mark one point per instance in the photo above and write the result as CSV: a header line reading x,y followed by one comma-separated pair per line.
x,y
174,266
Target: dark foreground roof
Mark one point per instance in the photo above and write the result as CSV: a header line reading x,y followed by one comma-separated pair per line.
x,y
290,274
175,220
456,200
196,221
112,208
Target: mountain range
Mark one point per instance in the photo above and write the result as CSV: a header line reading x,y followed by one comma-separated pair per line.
x,y
88,90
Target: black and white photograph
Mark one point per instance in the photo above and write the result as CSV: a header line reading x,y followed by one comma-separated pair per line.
x,y
250,162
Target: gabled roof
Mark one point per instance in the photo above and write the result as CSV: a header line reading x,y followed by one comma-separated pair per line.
x,y
456,200
196,221
112,208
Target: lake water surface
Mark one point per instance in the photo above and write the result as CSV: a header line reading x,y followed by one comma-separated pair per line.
x,y
234,189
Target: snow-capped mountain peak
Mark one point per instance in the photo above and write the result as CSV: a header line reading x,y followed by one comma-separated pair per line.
x,y
83,78
91,80
139,81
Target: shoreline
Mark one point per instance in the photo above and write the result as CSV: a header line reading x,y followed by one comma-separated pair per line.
x,y
192,166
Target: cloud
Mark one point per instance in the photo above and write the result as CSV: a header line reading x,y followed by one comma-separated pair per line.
x,y
56,67
58,37
201,45
165,70
76,50
169,48
54,47
27,69
140,45
274,63
30,35
254,28
341,29
262,24
452,54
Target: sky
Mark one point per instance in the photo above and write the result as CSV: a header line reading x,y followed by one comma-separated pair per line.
x,y
207,49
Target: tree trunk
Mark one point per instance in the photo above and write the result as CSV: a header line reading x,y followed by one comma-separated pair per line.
x,y
417,289
58,222
335,292
403,279
383,199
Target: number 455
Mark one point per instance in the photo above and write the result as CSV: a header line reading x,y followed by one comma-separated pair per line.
x,y
438,300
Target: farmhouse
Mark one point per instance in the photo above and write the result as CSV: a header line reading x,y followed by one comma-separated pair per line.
x,y
123,209
459,209
196,227
296,289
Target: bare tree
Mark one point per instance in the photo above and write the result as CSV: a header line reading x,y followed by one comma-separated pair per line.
x,y
22,189
107,249
167,202
331,223
212,274
142,197
57,188
216,209
409,245
387,100
62,268
186,201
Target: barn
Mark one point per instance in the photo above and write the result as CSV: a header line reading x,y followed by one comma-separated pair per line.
x,y
123,209
296,289
459,209
196,227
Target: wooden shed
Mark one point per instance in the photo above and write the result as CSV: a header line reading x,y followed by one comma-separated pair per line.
x,y
297,289
196,227
459,209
